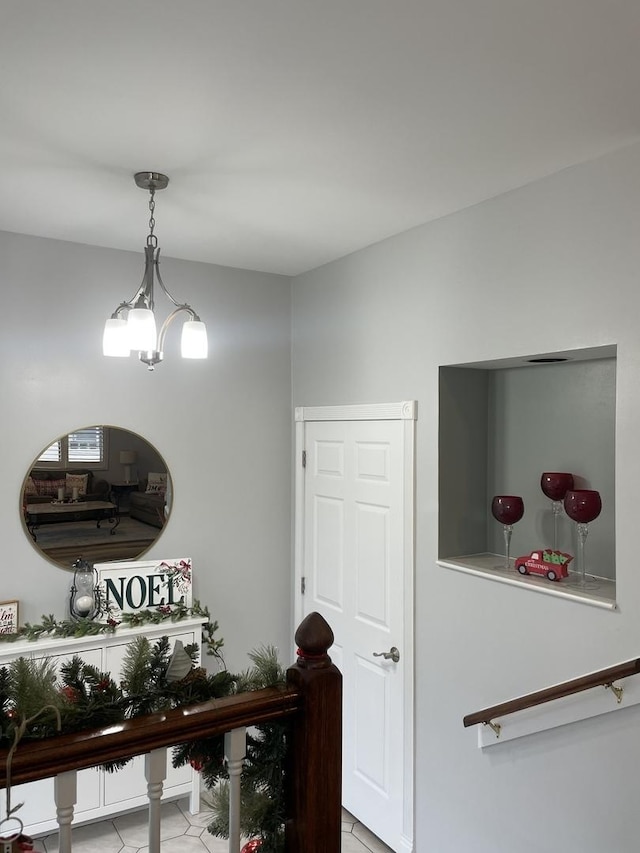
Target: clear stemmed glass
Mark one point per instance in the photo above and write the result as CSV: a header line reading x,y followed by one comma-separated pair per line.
x,y
507,509
583,506
555,486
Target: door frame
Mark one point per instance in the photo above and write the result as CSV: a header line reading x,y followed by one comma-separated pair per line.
x,y
407,412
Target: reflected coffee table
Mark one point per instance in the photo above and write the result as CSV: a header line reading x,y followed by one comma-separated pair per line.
x,y
57,513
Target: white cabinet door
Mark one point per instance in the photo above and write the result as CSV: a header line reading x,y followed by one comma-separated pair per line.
x,y
129,783
39,809
39,806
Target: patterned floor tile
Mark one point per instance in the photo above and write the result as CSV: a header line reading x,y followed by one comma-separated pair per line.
x,y
91,838
214,844
370,841
350,844
181,844
348,821
202,818
134,827
182,833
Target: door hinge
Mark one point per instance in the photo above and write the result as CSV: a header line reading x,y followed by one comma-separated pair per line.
x,y
304,458
303,585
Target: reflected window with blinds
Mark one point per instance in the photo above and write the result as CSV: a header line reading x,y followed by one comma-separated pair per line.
x,y
83,447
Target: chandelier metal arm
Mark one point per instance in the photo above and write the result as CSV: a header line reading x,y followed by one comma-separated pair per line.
x,y
154,357
122,307
169,320
143,297
165,289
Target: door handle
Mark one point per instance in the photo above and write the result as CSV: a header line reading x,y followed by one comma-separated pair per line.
x,y
393,654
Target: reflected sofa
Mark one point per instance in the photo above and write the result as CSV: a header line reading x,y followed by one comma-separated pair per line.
x,y
47,482
146,506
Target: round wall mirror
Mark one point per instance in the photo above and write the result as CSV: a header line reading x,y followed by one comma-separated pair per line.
x,y
99,493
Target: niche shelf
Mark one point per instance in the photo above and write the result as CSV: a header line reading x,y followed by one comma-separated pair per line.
x,y
501,424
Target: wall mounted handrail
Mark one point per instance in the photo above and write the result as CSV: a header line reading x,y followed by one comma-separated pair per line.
x,y
603,677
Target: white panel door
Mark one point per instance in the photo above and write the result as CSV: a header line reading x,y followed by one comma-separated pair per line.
x,y
353,565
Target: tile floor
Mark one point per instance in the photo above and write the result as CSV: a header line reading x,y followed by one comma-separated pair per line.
x,y
182,833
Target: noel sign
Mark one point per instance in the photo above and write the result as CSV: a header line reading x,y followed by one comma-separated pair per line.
x,y
145,585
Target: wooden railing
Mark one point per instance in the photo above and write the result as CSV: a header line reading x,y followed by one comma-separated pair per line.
x,y
311,700
603,677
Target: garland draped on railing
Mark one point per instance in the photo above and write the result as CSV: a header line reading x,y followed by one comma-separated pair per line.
x,y
38,702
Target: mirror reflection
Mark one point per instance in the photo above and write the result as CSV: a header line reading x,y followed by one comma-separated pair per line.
x,y
101,493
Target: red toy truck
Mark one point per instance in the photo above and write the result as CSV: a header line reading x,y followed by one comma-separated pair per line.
x,y
552,564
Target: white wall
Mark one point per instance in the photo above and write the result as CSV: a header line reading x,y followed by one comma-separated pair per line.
x,y
552,266
223,426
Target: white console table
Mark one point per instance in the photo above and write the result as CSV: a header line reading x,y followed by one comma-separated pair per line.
x,y
102,794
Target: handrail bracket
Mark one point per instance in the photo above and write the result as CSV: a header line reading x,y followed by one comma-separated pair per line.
x,y
496,727
617,691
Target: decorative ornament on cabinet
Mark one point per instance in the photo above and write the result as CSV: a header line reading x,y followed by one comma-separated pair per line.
x,y
85,600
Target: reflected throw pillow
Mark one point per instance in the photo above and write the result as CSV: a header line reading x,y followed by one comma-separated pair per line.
x,y
77,481
156,484
48,487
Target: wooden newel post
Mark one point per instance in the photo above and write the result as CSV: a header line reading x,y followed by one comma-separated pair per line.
x,y
314,776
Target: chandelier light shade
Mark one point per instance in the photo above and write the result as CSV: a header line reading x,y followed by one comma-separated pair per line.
x,y
115,341
194,339
132,326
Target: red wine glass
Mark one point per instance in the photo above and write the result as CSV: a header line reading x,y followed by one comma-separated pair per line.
x,y
555,486
507,509
583,506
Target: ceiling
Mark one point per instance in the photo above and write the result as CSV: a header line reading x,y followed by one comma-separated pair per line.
x,y
297,131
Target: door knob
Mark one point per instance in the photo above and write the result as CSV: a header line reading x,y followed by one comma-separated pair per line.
x,y
393,654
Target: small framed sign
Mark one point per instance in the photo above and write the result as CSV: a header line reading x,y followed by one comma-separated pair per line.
x,y
145,585
9,617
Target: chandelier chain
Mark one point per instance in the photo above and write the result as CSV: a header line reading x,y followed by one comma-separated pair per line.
x,y
152,240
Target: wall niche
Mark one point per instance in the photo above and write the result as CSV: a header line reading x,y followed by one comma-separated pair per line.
x,y
501,425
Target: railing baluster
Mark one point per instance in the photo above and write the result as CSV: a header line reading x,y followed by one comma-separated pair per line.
x,y
235,749
155,771
65,793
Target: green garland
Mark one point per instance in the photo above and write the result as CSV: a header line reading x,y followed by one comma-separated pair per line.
x,y
262,786
52,627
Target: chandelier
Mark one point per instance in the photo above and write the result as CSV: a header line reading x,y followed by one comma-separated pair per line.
x,y
132,326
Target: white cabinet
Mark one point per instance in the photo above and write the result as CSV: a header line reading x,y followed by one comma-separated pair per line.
x,y
102,794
